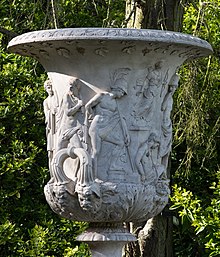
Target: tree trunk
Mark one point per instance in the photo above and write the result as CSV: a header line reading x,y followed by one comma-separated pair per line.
x,y
155,235
154,238
155,14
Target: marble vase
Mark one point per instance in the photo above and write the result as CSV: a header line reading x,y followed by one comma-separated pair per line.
x,y
108,126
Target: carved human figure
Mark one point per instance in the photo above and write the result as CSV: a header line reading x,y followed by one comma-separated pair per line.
x,y
166,126
71,118
154,78
50,110
106,123
151,88
148,161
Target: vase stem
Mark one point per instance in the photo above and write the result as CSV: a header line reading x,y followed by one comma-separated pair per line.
x,y
106,239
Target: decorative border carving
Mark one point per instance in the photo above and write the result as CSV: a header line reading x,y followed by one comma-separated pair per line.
x,y
113,34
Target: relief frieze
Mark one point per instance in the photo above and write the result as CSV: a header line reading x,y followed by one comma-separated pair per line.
x,y
80,132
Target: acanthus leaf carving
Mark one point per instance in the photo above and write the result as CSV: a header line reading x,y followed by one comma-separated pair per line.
x,y
102,51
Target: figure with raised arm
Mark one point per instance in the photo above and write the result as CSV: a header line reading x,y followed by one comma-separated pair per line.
x,y
106,123
152,86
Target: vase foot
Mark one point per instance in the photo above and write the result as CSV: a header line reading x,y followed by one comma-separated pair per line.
x,y
106,239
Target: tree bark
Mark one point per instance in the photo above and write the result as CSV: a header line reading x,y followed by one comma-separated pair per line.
x,y
155,14
154,238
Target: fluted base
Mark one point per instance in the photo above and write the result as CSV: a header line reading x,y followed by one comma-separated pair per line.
x,y
106,239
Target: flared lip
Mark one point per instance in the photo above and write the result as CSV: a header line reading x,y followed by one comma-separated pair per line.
x,y
113,34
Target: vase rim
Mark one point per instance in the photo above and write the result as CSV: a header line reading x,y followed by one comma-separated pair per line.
x,y
110,34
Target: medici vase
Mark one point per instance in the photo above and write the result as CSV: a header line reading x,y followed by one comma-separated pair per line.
x,y
108,125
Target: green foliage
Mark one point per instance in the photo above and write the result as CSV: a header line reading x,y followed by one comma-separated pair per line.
x,y
200,222
22,16
102,13
197,122
196,140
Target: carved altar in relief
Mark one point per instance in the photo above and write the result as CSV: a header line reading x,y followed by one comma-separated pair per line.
x,y
108,126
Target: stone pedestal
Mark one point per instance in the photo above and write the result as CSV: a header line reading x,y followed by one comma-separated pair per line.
x,y
106,239
108,126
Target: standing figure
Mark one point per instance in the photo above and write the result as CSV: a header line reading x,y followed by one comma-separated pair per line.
x,y
148,161
151,88
71,117
166,126
106,123
50,110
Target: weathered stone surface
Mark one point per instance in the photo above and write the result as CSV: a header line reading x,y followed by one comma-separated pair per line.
x,y
108,123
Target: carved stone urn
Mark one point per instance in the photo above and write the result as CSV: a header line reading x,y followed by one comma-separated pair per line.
x,y
108,125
